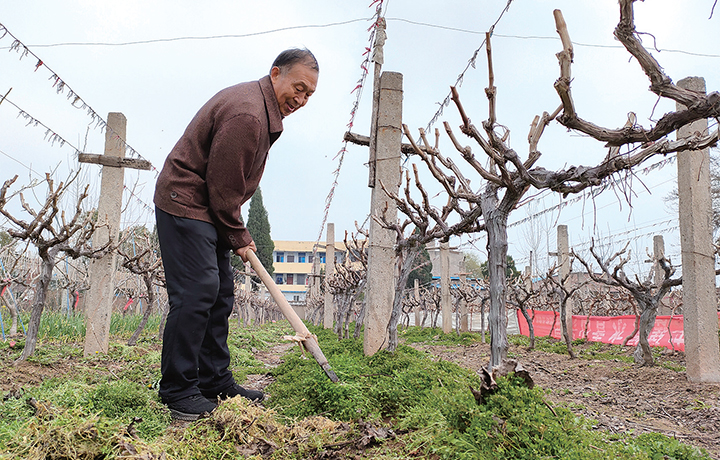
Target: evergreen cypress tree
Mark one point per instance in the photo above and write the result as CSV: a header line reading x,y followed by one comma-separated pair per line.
x,y
422,274
259,227
422,268
235,261
511,272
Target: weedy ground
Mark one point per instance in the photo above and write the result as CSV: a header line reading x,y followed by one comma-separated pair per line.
x,y
409,404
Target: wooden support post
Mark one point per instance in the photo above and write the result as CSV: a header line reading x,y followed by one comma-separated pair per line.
x,y
702,353
98,310
329,310
381,272
445,297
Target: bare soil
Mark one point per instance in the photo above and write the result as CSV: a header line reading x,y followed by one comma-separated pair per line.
x,y
622,397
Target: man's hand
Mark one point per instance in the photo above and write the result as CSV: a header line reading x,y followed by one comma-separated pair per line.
x,y
242,252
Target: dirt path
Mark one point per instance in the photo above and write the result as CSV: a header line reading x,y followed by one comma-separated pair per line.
x,y
271,357
620,396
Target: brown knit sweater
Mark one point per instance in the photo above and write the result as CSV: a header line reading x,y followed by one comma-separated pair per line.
x,y
217,164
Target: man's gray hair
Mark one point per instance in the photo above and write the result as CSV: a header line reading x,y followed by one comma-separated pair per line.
x,y
292,56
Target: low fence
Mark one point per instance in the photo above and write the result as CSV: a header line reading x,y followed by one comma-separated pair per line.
x,y
667,332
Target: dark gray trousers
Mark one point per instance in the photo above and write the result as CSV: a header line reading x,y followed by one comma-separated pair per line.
x,y
195,354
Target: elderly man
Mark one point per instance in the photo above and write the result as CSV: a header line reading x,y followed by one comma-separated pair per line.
x,y
213,169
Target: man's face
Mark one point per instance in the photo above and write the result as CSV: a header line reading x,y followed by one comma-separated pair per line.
x,y
294,87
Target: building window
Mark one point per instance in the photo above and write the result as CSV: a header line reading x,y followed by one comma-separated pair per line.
x,y
321,255
300,278
291,257
289,277
279,257
278,278
296,298
301,257
310,258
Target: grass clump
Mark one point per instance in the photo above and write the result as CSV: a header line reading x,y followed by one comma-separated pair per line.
x,y
378,387
70,326
66,433
127,400
431,401
516,423
239,429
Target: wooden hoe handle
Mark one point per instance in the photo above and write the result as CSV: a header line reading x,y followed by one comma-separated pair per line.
x,y
308,340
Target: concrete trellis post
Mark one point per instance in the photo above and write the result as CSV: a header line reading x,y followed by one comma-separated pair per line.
x,y
563,255
417,298
658,253
463,307
698,257
445,297
658,274
98,311
528,278
315,277
381,253
329,310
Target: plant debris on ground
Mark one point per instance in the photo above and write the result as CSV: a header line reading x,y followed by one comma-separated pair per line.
x,y
414,403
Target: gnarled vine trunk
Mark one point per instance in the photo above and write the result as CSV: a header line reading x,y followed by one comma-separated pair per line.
x,y
47,258
148,280
406,262
496,227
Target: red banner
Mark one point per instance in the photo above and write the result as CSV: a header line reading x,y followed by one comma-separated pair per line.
x,y
608,329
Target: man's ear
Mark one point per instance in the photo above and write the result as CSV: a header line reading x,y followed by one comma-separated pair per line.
x,y
274,73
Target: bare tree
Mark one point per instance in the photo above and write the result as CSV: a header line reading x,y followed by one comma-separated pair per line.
x,y
406,251
13,273
676,303
348,281
76,282
51,233
508,178
410,304
520,293
647,293
465,291
590,300
314,303
565,291
423,303
147,264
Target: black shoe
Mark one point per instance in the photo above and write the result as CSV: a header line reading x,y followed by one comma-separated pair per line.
x,y
191,408
236,390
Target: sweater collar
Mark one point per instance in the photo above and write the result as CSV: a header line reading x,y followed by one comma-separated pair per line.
x,y
271,104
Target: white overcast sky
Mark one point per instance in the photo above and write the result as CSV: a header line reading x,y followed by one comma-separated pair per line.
x,y
160,85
